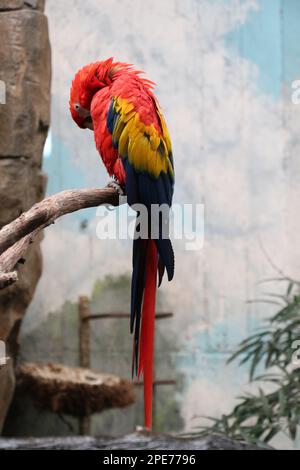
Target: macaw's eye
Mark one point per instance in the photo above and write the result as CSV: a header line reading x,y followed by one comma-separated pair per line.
x,y
76,107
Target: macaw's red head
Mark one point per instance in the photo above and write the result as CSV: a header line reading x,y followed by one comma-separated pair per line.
x,y
86,83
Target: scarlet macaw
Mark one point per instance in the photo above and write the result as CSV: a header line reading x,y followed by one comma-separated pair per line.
x,y
131,135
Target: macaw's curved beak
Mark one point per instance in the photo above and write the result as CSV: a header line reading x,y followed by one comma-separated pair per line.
x,y
88,123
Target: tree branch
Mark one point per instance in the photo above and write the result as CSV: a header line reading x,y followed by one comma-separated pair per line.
x,y
7,279
17,236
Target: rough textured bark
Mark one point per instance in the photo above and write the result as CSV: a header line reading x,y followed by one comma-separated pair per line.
x,y
16,236
136,441
53,207
24,118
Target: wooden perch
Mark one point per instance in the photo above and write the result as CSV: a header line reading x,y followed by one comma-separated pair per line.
x,y
72,390
17,236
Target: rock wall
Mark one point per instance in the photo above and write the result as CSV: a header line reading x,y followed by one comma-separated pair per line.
x,y
24,120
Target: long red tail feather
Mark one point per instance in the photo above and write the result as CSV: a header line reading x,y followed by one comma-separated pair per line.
x,y
146,358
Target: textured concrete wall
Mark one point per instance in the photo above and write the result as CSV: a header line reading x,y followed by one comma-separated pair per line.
x,y
224,70
24,122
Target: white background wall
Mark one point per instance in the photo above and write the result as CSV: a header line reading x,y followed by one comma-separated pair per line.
x,y
223,70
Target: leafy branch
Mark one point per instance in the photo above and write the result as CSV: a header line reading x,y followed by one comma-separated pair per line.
x,y
259,417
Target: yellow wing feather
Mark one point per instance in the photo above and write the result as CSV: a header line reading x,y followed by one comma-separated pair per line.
x,y
145,148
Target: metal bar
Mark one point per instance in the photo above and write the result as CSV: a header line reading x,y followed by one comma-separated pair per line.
x,y
101,316
157,382
84,353
84,332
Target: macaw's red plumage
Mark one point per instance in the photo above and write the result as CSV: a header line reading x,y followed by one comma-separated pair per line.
x,y
131,136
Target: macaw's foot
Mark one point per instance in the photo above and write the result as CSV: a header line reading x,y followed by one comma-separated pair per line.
x,y
141,429
117,186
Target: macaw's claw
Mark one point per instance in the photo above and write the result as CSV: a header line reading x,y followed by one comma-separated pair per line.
x,y
116,185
